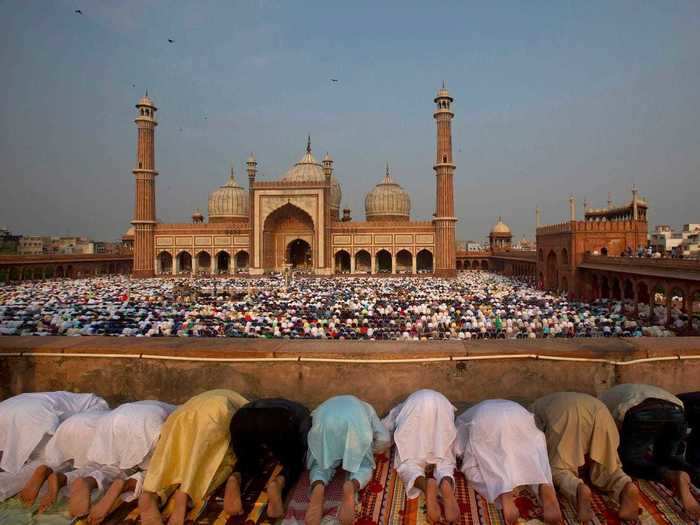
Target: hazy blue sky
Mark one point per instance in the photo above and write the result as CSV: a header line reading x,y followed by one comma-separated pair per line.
x,y
550,98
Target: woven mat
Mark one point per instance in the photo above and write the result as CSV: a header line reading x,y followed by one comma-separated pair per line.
x,y
383,502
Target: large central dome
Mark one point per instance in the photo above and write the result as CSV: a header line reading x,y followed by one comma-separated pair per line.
x,y
308,169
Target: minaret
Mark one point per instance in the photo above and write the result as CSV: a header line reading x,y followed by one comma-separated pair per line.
x,y
444,220
145,172
572,207
252,169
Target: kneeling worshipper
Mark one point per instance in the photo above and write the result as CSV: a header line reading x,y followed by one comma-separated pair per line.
x,y
67,465
691,402
502,449
652,433
124,439
424,433
269,431
192,455
345,432
581,433
27,422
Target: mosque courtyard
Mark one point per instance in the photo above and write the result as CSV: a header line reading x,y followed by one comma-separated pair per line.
x,y
475,305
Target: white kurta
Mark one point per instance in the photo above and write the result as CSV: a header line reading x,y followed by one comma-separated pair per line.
x,y
501,448
125,436
72,440
25,420
424,433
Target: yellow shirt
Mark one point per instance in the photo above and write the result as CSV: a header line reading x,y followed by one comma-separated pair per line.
x,y
193,444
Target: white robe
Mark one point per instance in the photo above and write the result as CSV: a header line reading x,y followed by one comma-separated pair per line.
x,y
126,436
424,433
25,420
501,448
72,440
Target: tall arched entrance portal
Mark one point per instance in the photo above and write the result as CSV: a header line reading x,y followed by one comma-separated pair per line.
x,y
299,254
288,237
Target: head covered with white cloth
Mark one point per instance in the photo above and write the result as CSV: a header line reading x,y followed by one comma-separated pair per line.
x,y
25,420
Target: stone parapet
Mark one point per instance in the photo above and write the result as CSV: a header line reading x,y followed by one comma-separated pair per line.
x,y
310,371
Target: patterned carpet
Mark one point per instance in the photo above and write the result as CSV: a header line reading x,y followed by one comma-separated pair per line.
x,y
383,502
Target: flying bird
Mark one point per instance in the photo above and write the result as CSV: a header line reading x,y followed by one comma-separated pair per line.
x,y
133,85
78,12
171,40
334,80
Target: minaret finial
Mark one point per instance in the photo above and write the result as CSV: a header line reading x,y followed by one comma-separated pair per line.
x,y
308,143
146,91
443,84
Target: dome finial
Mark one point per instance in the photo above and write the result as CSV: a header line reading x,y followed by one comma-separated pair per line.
x,y
308,143
499,219
387,168
232,176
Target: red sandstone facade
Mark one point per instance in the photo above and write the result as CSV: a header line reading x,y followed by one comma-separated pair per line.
x,y
295,221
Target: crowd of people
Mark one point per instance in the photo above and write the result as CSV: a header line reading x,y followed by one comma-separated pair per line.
x,y
56,442
475,305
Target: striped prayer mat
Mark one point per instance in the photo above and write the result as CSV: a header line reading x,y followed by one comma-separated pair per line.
x,y
211,511
383,502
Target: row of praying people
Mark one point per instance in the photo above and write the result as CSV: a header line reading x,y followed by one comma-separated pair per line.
x,y
475,305
63,443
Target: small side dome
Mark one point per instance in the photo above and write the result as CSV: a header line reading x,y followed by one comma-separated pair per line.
x,y
229,202
388,201
501,228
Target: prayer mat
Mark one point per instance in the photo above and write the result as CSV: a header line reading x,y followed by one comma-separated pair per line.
x,y
211,510
383,502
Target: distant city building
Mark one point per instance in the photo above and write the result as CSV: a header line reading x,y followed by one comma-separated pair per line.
x,y
30,245
685,242
8,242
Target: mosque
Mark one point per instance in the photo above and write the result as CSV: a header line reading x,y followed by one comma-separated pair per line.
x,y
296,221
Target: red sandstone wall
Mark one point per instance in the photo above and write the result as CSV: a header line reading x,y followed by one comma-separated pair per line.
x,y
124,373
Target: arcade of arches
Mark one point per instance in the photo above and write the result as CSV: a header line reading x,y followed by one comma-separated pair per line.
x,y
662,296
384,261
203,262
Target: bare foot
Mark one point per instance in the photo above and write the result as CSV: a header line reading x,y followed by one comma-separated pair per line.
x,y
690,504
511,514
629,503
346,512
584,503
275,505
31,489
178,515
55,482
79,502
550,504
315,510
148,508
431,500
449,501
232,496
102,508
